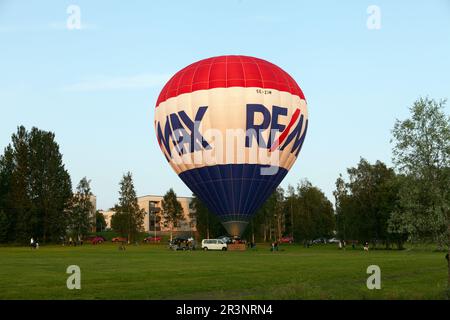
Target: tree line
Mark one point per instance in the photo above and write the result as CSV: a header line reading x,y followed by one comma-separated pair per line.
x,y
410,201
374,202
303,213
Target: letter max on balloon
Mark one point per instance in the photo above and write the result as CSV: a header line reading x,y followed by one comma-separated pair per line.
x,y
202,103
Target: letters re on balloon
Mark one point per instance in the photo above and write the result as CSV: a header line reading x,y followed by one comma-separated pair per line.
x,y
231,127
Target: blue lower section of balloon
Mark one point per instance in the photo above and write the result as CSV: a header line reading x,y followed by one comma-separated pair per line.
x,y
234,192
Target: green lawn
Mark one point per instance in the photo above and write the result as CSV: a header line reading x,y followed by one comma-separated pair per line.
x,y
154,272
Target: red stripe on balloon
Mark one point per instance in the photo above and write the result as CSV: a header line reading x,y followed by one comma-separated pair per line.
x,y
227,72
286,131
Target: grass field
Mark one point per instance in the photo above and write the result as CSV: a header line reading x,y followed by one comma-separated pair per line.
x,y
154,272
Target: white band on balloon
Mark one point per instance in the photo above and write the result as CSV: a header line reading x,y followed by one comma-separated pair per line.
x,y
221,125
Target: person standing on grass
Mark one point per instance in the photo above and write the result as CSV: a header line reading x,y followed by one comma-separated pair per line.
x,y
32,243
366,246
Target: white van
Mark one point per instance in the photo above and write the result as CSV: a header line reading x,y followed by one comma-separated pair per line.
x,y
214,244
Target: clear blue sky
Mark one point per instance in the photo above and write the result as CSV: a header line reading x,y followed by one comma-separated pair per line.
x,y
96,87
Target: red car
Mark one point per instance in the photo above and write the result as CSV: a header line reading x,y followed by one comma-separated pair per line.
x,y
152,239
287,239
119,239
97,240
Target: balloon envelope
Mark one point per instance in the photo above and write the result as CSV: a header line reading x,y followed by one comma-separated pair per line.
x,y
231,127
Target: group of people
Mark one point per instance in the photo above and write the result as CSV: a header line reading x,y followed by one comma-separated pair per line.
x,y
71,242
238,241
343,244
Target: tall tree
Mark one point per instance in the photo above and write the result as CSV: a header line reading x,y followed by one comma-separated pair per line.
x,y
291,200
208,225
172,210
25,222
4,227
100,222
6,174
35,187
81,215
265,221
422,152
365,202
314,213
50,185
269,222
128,218
342,205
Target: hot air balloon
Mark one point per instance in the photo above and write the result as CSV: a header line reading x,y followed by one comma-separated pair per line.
x,y
231,127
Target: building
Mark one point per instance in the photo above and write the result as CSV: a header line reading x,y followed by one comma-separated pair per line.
x,y
153,204
108,215
154,219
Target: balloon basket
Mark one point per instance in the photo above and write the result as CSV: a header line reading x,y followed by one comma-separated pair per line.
x,y
237,247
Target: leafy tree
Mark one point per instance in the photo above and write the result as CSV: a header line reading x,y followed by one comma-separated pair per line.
x,y
6,173
290,202
304,212
343,208
119,222
100,222
50,185
364,204
4,227
82,209
399,226
172,210
19,199
128,218
314,213
208,225
422,153
268,222
279,213
35,187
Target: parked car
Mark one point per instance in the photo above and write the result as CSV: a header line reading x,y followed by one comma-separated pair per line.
x,y
287,239
182,244
97,240
333,240
152,240
93,236
225,239
214,244
178,240
119,239
319,241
